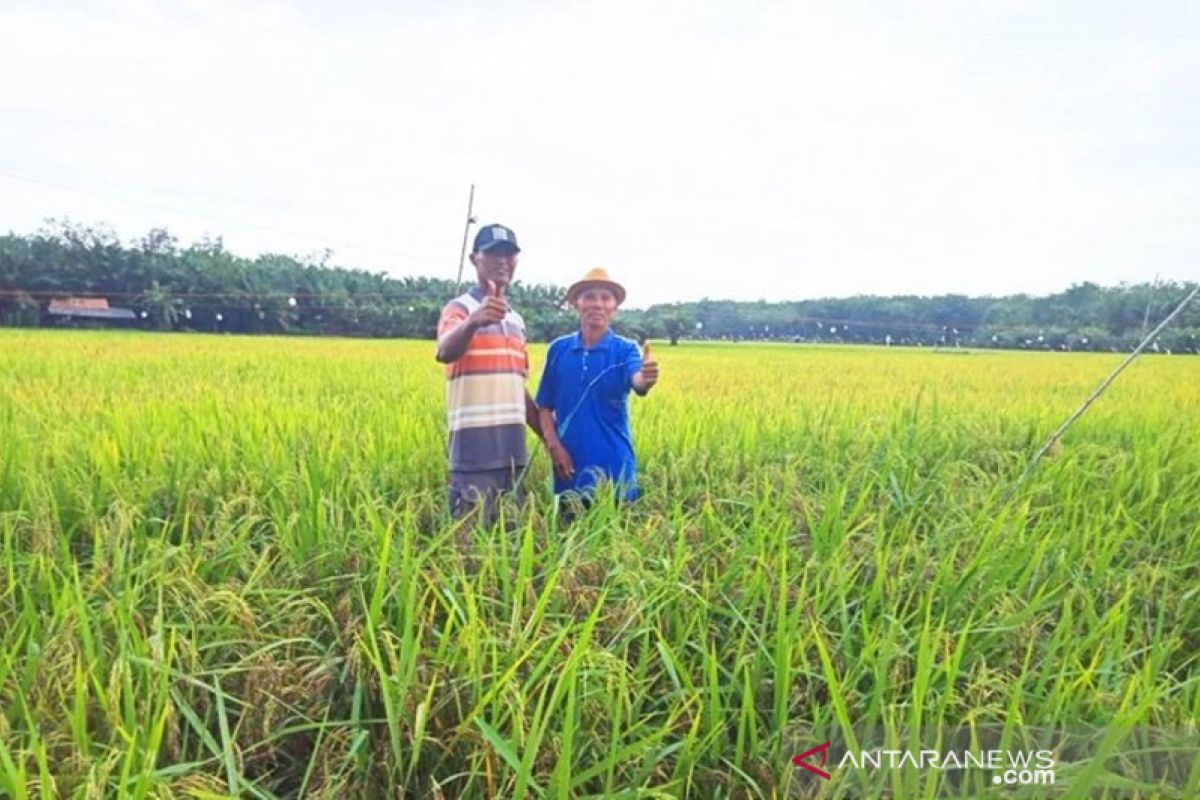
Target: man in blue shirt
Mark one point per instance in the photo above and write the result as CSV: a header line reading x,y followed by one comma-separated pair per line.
x,y
583,398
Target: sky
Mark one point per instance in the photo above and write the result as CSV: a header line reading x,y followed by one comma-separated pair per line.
x,y
743,150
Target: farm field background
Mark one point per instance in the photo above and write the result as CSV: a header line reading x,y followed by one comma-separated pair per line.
x,y
225,570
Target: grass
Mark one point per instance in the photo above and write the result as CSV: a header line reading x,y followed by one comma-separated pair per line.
x,y
225,570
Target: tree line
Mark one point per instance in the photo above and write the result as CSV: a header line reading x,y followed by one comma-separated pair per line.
x,y
204,287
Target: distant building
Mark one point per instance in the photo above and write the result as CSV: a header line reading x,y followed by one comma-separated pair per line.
x,y
88,310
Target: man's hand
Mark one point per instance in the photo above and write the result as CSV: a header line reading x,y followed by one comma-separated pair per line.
x,y
491,310
532,417
564,468
453,345
647,376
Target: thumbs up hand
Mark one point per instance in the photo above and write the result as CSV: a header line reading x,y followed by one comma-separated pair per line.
x,y
492,309
647,376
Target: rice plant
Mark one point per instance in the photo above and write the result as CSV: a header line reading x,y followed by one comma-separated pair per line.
x,y
226,570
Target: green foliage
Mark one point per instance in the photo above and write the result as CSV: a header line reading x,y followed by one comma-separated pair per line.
x,y
204,287
1084,317
226,570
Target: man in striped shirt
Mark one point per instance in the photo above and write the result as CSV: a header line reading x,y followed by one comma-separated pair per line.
x,y
481,339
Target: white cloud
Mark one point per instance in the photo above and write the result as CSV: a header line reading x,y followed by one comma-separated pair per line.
x,y
727,150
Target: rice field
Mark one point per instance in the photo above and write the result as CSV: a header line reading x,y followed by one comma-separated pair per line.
x,y
226,571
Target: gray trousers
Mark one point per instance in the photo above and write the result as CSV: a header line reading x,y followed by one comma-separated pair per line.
x,y
483,490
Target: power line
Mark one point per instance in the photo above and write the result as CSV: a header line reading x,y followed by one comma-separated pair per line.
x,y
327,301
957,328
217,218
58,293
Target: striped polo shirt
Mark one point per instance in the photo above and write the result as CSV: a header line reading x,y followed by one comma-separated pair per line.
x,y
485,390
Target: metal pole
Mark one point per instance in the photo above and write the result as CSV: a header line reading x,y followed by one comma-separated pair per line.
x,y
1149,302
462,256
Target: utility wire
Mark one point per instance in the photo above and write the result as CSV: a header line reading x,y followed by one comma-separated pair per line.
x,y
949,329
213,300
216,218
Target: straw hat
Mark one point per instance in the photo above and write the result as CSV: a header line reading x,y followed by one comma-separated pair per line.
x,y
596,276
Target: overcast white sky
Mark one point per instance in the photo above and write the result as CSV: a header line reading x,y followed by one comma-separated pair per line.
x,y
724,149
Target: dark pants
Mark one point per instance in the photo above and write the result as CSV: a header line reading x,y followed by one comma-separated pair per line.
x,y
482,490
573,505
